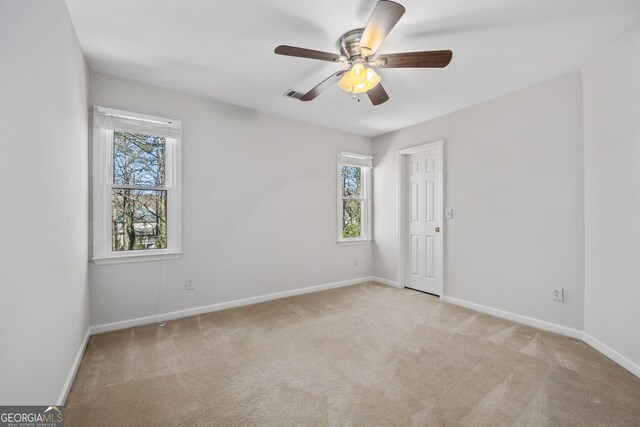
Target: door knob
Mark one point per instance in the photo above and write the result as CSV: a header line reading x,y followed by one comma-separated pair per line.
x,y
437,229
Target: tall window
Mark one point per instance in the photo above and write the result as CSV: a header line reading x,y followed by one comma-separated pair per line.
x,y
354,197
136,185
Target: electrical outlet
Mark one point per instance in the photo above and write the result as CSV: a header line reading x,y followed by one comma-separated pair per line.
x,y
557,294
355,262
188,284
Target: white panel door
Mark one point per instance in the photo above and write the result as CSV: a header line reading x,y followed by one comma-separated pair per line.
x,y
423,263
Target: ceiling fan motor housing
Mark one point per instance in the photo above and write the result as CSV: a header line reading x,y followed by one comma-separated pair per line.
x,y
349,42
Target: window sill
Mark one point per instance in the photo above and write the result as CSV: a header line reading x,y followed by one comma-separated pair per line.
x,y
354,242
129,258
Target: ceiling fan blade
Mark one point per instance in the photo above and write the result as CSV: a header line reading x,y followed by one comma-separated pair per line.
x,y
306,53
384,17
432,59
378,95
324,85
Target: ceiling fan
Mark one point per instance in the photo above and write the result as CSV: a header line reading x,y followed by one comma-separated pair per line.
x,y
358,49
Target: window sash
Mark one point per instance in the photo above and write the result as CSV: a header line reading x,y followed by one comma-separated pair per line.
x,y
361,220
142,224
169,163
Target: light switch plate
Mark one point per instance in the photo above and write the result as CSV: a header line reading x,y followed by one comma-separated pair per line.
x,y
448,213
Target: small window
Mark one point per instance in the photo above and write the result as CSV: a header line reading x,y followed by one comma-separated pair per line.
x,y
354,197
136,191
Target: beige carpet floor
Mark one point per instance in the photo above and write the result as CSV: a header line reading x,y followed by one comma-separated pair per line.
x,y
364,355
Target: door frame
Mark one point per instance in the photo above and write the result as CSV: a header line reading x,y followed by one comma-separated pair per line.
x,y
403,208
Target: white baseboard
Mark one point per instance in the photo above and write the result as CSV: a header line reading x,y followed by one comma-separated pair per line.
x,y
73,371
530,321
124,324
621,360
384,281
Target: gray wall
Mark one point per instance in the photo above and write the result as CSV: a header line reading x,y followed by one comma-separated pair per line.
x,y
258,208
44,309
612,199
514,178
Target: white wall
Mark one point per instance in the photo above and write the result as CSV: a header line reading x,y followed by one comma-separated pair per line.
x,y
259,207
612,197
514,178
44,301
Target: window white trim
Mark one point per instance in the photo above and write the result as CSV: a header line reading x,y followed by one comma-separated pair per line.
x,y
136,256
105,120
353,159
365,162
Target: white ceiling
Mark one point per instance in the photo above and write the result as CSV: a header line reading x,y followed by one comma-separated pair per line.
x,y
223,49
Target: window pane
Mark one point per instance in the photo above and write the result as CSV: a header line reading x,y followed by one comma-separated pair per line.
x,y
351,218
139,219
351,181
138,159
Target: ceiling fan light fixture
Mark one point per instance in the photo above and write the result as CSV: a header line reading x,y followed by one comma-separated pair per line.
x,y
361,81
345,83
358,74
372,78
